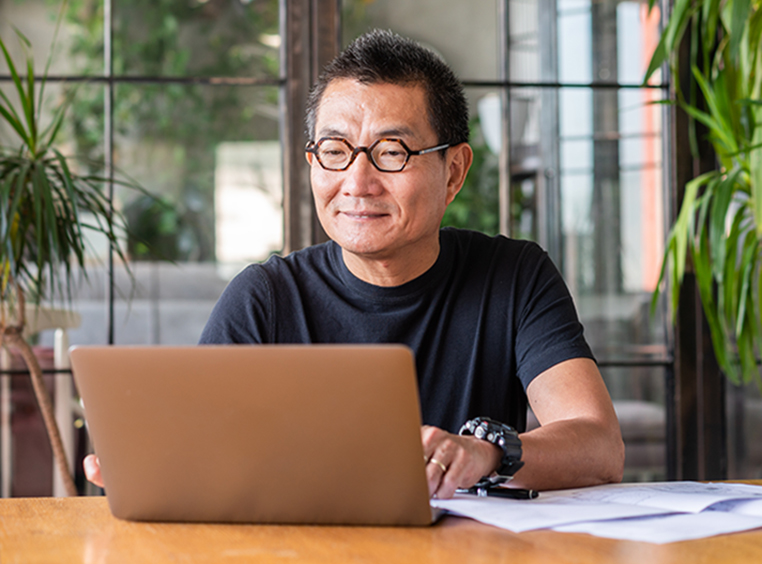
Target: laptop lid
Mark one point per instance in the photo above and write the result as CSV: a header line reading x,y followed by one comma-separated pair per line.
x,y
324,434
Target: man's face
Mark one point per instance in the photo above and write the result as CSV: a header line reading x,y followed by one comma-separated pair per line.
x,y
373,214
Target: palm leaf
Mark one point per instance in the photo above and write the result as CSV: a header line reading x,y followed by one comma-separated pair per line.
x,y
9,113
719,224
27,97
43,240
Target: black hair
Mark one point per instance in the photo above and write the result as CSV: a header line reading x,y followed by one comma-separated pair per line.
x,y
384,57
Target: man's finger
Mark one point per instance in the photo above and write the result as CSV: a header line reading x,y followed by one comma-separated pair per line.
x,y
435,471
92,468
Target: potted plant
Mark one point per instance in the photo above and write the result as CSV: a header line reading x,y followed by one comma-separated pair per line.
x,y
46,210
719,225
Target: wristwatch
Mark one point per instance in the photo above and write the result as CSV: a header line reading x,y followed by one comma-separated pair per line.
x,y
503,436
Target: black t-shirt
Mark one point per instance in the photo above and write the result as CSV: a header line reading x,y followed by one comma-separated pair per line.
x,y
489,316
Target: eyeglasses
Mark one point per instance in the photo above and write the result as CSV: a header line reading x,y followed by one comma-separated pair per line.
x,y
387,155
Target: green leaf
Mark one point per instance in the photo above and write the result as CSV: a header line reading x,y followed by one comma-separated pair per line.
x,y
719,122
727,296
14,214
704,280
755,175
723,190
680,236
754,56
741,9
682,11
710,15
748,361
12,119
658,58
48,136
39,228
660,280
746,267
27,98
19,89
67,180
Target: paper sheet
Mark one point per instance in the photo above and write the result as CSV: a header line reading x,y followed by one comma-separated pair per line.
x,y
752,508
672,496
668,528
652,512
540,513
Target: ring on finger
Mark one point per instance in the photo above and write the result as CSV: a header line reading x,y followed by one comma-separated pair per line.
x,y
442,466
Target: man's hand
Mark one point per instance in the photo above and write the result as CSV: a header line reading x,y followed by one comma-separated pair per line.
x,y
455,461
93,469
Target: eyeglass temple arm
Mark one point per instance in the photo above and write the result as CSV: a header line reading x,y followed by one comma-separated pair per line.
x,y
430,150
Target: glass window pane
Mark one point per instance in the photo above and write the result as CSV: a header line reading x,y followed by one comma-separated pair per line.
x,y
469,49
525,38
613,217
605,41
574,42
638,398
212,156
79,48
576,155
637,37
575,112
196,38
639,111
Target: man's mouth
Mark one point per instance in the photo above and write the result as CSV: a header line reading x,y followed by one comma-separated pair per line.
x,y
364,214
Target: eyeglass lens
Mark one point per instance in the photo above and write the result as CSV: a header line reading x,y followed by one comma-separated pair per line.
x,y
387,155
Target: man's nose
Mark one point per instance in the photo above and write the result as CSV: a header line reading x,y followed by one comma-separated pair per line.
x,y
362,178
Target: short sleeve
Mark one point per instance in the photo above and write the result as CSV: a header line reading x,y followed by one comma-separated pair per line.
x,y
243,313
548,329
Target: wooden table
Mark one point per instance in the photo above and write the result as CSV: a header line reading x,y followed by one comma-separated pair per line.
x,y
59,530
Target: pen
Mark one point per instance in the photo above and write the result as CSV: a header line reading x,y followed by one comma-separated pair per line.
x,y
511,493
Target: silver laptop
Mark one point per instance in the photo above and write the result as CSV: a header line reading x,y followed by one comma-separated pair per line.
x,y
323,434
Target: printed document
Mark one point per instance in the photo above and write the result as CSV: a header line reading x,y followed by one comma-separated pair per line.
x,y
652,512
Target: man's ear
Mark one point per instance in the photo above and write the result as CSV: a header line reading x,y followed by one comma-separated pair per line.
x,y
459,159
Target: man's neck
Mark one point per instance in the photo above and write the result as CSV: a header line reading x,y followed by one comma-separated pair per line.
x,y
392,271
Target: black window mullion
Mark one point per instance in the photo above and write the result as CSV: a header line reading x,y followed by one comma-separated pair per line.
x,y
108,150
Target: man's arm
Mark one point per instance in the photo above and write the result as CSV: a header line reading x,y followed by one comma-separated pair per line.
x,y
578,443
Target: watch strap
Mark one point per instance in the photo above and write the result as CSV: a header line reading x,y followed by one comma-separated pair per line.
x,y
503,436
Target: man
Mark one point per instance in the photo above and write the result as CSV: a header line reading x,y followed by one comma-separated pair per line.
x,y
487,318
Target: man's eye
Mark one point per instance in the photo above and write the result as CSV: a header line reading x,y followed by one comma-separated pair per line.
x,y
392,152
